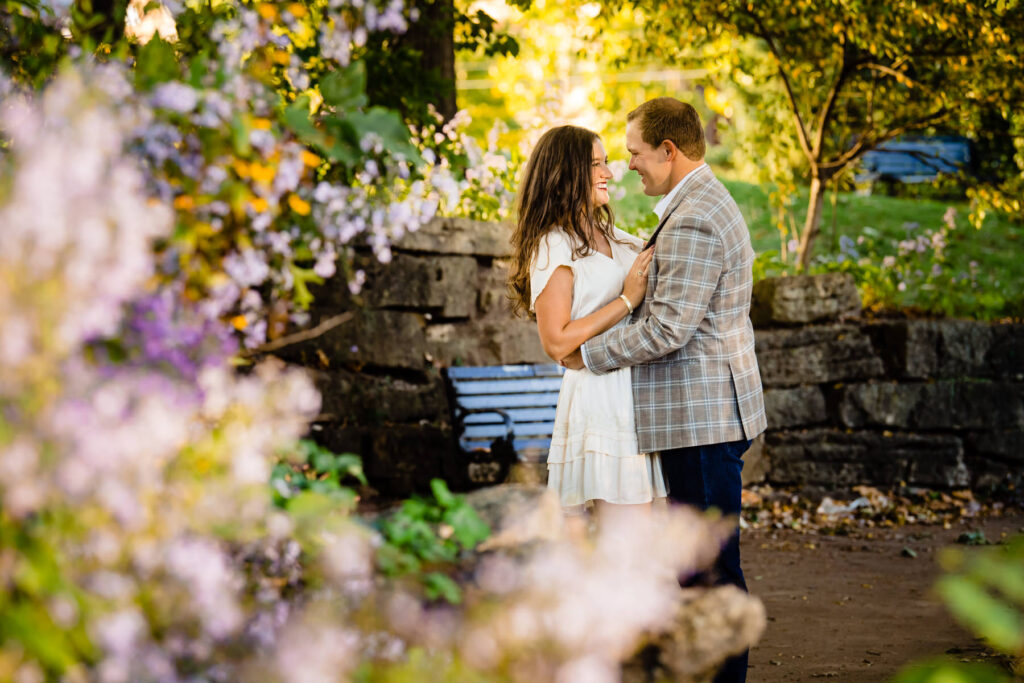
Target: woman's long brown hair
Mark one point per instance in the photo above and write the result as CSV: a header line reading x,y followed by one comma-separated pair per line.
x,y
557,190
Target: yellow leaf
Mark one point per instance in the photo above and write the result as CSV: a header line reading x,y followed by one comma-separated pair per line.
x,y
281,56
261,124
241,168
259,204
310,159
298,204
261,174
184,202
267,11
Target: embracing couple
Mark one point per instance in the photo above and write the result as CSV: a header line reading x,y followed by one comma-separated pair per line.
x,y
662,394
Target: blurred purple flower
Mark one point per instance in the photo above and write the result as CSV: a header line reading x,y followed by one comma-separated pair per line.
x,y
164,332
176,96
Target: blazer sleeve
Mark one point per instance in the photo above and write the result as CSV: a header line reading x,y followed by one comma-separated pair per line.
x,y
690,257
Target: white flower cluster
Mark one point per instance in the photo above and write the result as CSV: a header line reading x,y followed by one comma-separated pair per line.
x,y
380,205
470,181
77,209
127,474
561,609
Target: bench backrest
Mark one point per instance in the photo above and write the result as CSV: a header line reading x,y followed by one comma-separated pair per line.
x,y
917,160
528,394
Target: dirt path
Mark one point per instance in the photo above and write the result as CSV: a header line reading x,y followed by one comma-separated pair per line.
x,y
854,608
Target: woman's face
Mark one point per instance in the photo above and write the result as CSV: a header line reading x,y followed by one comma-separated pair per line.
x,y
600,175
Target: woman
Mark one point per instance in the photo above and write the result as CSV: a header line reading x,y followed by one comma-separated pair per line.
x,y
582,276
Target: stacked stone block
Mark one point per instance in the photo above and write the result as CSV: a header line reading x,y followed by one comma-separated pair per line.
x,y
849,401
439,302
931,403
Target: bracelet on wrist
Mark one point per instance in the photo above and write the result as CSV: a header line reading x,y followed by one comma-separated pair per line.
x,y
625,300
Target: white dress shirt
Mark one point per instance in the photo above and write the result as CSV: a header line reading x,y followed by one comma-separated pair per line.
x,y
666,201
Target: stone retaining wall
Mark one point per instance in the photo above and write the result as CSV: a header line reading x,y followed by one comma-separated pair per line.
x,y
849,401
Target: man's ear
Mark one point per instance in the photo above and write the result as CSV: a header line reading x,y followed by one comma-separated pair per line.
x,y
669,149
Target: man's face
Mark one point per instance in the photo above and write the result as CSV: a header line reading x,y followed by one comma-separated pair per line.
x,y
650,162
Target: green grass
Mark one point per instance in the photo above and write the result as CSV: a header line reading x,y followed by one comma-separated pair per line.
x,y
880,222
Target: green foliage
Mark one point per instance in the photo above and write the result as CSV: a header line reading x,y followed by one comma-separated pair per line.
x,y
413,72
35,579
155,63
310,476
984,589
849,76
885,241
31,44
424,537
919,273
941,670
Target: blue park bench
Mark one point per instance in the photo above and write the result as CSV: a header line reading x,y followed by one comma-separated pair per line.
x,y
915,160
503,414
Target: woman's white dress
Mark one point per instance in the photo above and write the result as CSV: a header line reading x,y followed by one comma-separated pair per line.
x,y
594,453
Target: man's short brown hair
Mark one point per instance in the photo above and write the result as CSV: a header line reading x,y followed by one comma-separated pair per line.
x,y
666,118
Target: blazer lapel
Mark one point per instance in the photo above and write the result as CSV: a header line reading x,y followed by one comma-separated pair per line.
x,y
698,172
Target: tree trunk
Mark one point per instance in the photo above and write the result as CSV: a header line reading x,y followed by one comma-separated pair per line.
x,y
410,71
812,226
434,36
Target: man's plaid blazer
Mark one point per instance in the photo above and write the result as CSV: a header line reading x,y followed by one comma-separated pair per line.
x,y
690,343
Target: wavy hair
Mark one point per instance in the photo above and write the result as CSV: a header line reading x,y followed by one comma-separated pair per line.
x,y
556,191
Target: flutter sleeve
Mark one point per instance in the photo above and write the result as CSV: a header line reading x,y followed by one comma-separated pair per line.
x,y
553,252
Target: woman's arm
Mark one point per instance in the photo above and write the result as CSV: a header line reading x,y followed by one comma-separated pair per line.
x,y
559,334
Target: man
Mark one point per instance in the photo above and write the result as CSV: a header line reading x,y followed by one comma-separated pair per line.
x,y
696,386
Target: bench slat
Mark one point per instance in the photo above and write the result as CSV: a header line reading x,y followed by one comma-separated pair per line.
x,y
521,430
528,394
508,386
517,416
535,446
506,371
508,401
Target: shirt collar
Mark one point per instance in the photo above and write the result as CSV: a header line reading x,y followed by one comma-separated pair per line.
x,y
666,201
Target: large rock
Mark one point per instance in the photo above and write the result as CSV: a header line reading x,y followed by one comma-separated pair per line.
x,y
933,406
494,336
815,355
482,342
1003,445
794,407
1006,354
839,459
927,349
391,339
756,465
372,399
446,285
921,349
710,625
988,475
518,514
459,236
398,460
804,299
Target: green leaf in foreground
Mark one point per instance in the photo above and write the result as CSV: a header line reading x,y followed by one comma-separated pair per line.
x,y
946,671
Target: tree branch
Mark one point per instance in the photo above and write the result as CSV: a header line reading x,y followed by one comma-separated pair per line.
x,y
801,130
889,71
830,98
304,335
870,142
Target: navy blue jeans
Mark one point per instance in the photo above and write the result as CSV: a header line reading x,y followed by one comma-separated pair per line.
x,y
709,477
